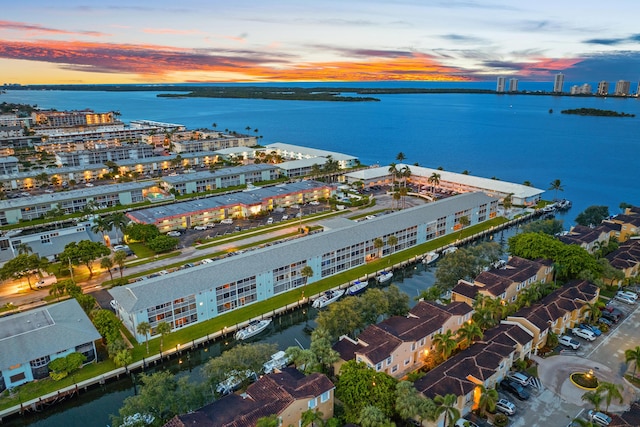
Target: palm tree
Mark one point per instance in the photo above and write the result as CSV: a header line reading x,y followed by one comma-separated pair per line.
x,y
393,171
468,332
445,343
403,191
378,244
407,400
611,391
447,405
119,222
556,185
527,183
312,418
594,310
633,355
268,421
464,221
507,202
434,180
392,241
404,173
306,272
119,258
143,329
107,264
23,248
487,401
57,289
593,397
401,157
372,416
162,328
396,197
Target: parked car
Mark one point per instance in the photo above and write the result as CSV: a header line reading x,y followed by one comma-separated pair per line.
x,y
200,227
516,389
584,334
174,234
522,379
226,221
125,248
630,294
605,321
285,217
465,423
88,184
591,328
599,417
506,406
624,298
314,202
567,341
113,304
270,221
612,317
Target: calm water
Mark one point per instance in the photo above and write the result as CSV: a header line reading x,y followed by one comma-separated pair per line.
x,y
510,137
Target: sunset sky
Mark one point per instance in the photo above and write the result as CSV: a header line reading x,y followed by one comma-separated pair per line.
x,y
161,41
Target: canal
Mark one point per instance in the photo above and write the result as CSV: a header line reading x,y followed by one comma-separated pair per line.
x,y
94,407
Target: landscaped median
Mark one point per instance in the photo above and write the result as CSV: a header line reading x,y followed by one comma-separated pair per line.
x,y
236,317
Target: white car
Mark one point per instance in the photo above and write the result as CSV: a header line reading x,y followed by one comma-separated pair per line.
x,y
174,234
314,202
200,227
584,333
370,217
624,298
599,418
270,221
207,261
88,184
226,221
48,190
465,423
113,304
569,342
506,407
630,294
285,217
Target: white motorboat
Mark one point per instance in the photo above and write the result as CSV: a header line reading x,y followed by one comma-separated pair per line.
x,y
278,361
564,204
549,208
234,381
357,287
430,257
450,250
385,276
327,298
252,329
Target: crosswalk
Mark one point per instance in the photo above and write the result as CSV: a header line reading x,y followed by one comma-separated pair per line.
x,y
535,382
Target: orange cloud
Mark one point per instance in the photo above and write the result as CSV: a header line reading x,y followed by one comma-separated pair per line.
x,y
38,29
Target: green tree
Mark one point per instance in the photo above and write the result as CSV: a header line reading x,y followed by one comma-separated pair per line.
x,y
340,318
632,355
359,386
86,301
460,264
407,400
101,225
119,258
23,249
63,366
372,416
304,359
312,418
241,360
107,324
378,243
144,328
372,305
546,226
119,223
397,301
401,157
162,328
107,264
85,252
162,243
487,401
270,421
464,222
42,178
507,202
434,180
22,266
593,397
306,273
123,358
445,343
393,171
57,289
447,406
321,347
593,215
468,332
141,232
610,391
392,241
556,185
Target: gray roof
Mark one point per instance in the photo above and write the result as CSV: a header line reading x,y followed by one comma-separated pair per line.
x,y
44,331
141,295
82,193
247,198
8,159
236,170
303,163
307,151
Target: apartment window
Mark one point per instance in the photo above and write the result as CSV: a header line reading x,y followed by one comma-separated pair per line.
x,y
407,361
378,366
313,403
395,368
388,360
325,396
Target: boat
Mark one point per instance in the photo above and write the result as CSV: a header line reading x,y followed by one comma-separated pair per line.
x,y
564,204
234,381
252,329
430,257
450,250
385,276
278,361
357,287
549,208
327,298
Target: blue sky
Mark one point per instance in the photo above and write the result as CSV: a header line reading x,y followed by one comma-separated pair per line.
x,y
71,41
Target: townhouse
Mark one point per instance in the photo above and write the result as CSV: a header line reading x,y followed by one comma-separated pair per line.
x,y
398,345
626,258
504,283
591,239
199,182
288,394
629,223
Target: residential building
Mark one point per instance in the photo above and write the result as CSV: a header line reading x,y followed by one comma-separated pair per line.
x,y
558,82
302,167
11,131
57,119
513,85
288,394
623,88
8,165
626,258
296,152
199,182
584,89
239,204
501,85
557,312
212,289
56,140
13,211
398,345
629,223
212,144
33,338
448,183
603,88
14,120
504,283
591,239
99,156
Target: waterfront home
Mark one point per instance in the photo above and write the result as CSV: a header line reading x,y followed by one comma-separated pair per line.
x,y
504,283
297,152
199,182
287,394
397,345
204,292
557,312
626,258
31,339
629,223
589,238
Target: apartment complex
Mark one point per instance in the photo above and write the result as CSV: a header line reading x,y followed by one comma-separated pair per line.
x,y
558,83
513,85
603,88
584,89
199,182
216,143
203,292
623,88
99,156
78,118
296,152
501,85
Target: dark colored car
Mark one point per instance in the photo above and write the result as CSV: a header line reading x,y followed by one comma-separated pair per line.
x,y
615,315
516,389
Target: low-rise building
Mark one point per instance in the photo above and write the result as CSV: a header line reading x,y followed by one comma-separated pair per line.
x,y
626,258
32,339
591,239
296,152
99,156
629,223
213,143
287,394
8,165
209,290
199,182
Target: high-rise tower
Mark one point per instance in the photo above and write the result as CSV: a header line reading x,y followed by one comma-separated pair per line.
x,y
558,83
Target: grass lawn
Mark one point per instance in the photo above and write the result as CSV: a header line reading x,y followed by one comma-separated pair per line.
x,y
141,250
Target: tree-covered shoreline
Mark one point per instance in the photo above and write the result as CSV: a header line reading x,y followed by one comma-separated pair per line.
x,y
596,112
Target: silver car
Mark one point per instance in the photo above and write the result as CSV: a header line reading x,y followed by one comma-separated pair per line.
x,y
506,407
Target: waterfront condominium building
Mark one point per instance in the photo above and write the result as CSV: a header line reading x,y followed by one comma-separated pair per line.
x,y
603,88
513,85
203,292
623,88
558,82
501,86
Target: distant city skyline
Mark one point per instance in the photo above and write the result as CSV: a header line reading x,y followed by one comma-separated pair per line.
x,y
143,41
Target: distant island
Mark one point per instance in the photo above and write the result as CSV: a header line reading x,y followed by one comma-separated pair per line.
x,y
596,112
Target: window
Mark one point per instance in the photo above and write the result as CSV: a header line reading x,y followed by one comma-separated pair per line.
x,y
313,403
407,361
395,368
325,396
388,360
378,366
